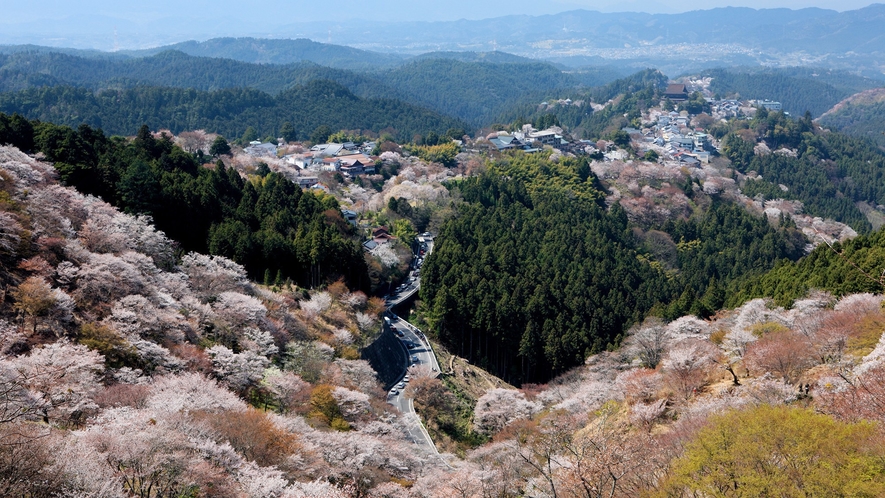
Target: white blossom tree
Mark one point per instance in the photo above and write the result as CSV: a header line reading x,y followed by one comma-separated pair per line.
x,y
238,370
499,407
62,378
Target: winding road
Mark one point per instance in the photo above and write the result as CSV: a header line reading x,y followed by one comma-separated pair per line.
x,y
418,351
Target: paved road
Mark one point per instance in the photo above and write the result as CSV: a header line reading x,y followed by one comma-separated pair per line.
x,y
419,352
412,285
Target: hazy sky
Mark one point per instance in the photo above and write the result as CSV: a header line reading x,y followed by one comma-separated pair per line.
x,y
274,11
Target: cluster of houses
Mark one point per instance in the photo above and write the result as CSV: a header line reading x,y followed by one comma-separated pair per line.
x,y
672,134
349,159
529,139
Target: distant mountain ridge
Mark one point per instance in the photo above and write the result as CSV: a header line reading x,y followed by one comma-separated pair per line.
x,y
229,112
676,43
279,51
468,86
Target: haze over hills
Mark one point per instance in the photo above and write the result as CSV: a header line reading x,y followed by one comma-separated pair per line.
x,y
270,51
675,43
473,88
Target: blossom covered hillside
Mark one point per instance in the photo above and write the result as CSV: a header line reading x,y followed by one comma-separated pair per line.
x,y
127,371
698,408
130,369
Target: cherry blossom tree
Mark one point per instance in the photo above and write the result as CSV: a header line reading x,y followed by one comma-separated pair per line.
x,y
640,384
238,370
353,404
286,388
358,374
386,255
191,391
62,378
645,414
650,342
687,365
786,354
148,455
211,275
10,234
240,310
499,407
318,303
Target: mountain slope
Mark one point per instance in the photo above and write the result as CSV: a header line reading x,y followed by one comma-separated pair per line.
x,y
798,89
172,69
273,51
861,115
228,112
476,91
471,89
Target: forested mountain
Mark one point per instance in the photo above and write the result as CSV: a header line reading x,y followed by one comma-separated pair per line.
x,y
475,87
798,89
476,92
281,51
830,173
861,115
640,91
527,285
493,57
266,224
228,112
844,268
534,273
171,69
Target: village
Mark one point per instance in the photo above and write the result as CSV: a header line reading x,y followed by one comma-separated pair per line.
x,y
668,134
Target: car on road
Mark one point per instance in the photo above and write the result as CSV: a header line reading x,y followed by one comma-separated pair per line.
x,y
406,378
414,359
394,392
401,385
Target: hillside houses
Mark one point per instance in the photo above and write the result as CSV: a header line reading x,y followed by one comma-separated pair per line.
x,y
258,149
380,236
348,158
672,134
529,139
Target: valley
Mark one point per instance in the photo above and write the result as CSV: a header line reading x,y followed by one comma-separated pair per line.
x,y
557,255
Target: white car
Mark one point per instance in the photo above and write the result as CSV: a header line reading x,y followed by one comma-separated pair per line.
x,y
401,385
394,392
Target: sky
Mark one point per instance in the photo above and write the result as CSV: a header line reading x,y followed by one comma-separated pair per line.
x,y
17,11
128,24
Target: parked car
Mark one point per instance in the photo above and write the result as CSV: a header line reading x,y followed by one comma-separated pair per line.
x,y
394,392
